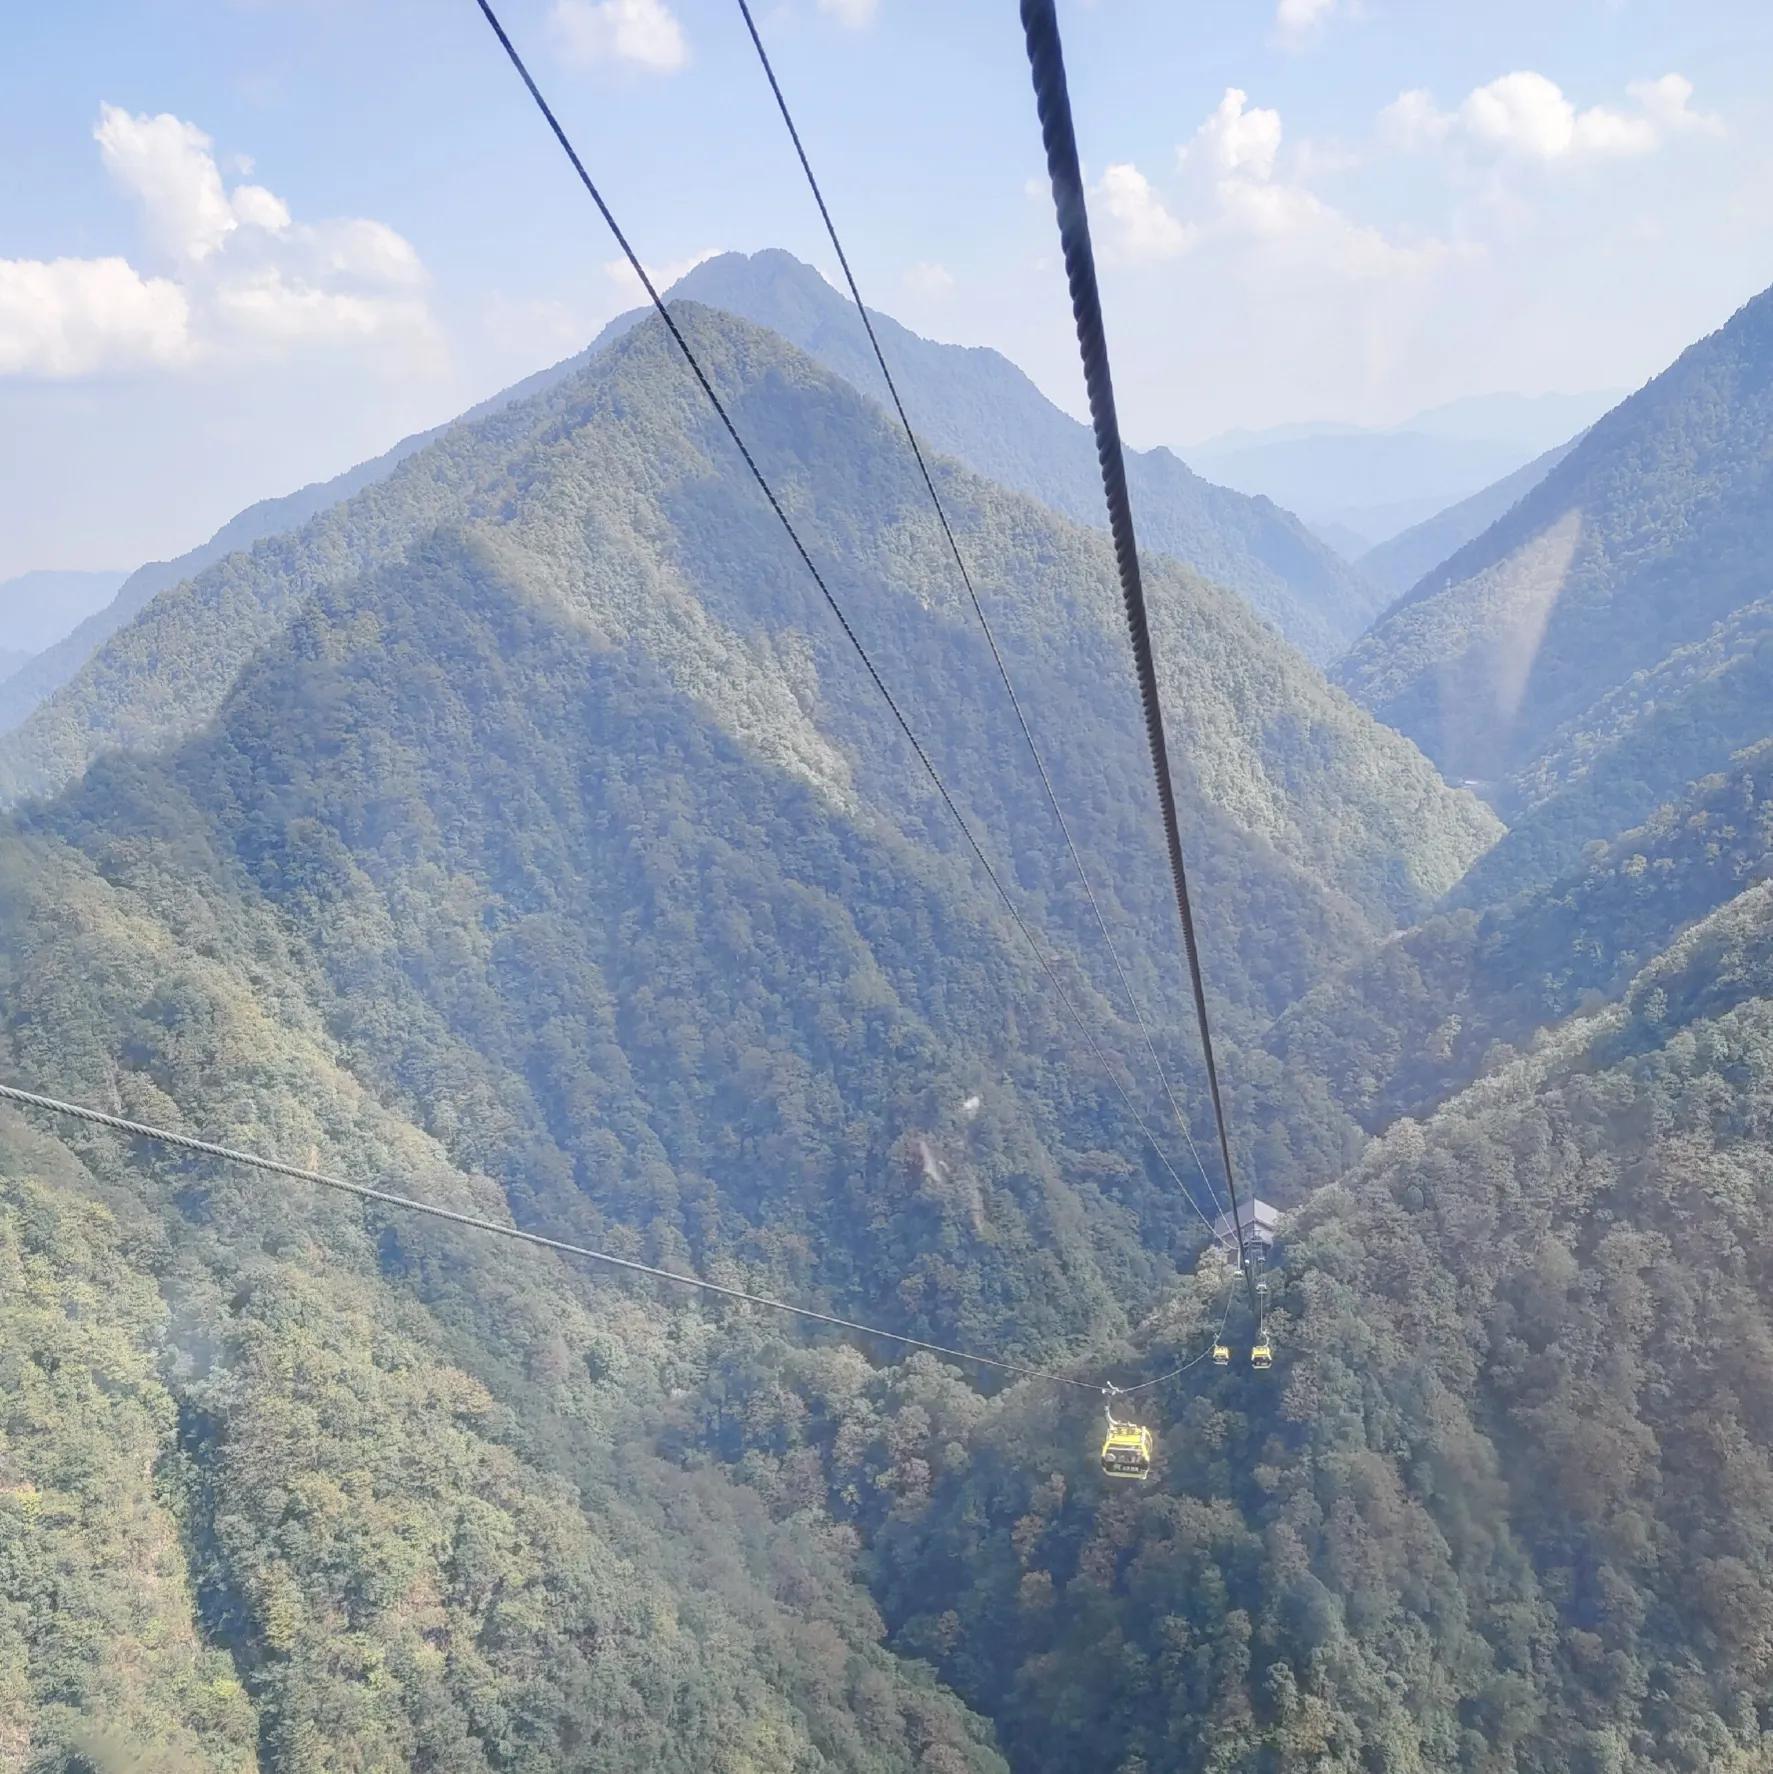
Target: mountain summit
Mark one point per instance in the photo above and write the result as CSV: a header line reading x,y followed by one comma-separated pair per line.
x,y
974,404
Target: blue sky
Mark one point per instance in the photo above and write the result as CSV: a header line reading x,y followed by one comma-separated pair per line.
x,y
255,241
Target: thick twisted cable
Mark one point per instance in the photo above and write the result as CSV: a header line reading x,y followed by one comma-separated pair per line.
x,y
757,474
923,468
407,1203
1046,63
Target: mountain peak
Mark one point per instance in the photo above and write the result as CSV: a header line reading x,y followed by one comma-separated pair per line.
x,y
740,282
972,403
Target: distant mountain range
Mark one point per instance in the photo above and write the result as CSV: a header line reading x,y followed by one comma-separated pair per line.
x,y
37,609
1366,484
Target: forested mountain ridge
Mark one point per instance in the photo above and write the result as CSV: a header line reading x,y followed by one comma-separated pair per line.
x,y
975,405
555,863
1653,529
1399,565
1636,748
665,991
542,852
613,480
673,997
284,1487
1502,1507
1432,1008
59,662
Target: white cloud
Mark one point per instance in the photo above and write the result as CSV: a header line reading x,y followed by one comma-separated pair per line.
x,y
854,13
1140,231
1602,132
643,33
621,273
271,309
79,317
363,251
1667,102
1524,113
928,280
1327,158
1293,223
1233,167
1527,116
1238,139
255,207
1413,120
167,165
245,279
1296,22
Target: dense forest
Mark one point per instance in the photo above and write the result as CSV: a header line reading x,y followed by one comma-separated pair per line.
x,y
516,831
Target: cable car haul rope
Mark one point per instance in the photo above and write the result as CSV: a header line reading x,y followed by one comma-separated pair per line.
x,y
1046,62
1127,1449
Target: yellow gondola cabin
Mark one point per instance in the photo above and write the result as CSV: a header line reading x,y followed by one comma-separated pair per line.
x,y
1126,1452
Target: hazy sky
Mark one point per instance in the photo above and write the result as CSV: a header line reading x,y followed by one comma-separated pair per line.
x,y
247,243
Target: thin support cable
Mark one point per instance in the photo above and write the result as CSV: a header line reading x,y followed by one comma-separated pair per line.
x,y
967,580
850,634
1176,1373
431,1210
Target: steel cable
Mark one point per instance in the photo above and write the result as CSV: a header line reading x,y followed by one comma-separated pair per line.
x,y
1046,62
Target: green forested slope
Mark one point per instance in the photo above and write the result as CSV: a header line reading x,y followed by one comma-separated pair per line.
x,y
1502,1507
1653,529
613,489
1428,1010
507,874
394,1482
262,1510
545,858
1636,749
973,404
